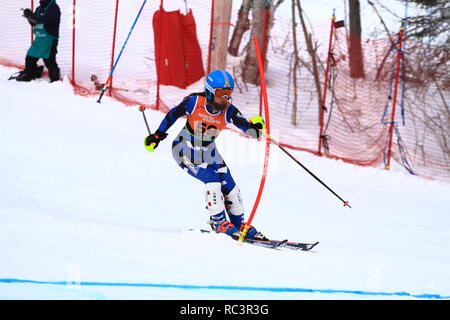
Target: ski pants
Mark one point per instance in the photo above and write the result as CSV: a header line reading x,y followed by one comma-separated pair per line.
x,y
203,163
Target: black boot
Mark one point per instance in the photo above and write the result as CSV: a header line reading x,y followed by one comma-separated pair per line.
x,y
27,75
54,74
24,76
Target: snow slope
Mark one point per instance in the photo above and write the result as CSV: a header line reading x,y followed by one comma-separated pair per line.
x,y
87,213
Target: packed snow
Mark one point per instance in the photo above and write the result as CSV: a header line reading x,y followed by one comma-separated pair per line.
x,y
86,212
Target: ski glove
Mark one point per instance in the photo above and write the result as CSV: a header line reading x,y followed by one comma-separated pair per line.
x,y
257,123
27,13
152,141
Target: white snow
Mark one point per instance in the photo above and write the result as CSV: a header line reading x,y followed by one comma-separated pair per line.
x,y
88,213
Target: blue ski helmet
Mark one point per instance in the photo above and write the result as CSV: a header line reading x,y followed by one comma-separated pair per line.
x,y
217,79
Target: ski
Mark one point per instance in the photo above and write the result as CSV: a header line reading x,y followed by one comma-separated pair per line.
x,y
272,244
300,245
283,244
275,244
15,75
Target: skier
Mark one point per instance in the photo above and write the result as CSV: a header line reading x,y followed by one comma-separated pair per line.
x,y
45,21
195,151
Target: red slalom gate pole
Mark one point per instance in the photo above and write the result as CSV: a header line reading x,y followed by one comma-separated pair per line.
x,y
394,102
325,86
268,140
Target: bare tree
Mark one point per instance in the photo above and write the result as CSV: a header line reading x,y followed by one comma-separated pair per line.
x,y
242,26
261,24
222,17
312,50
296,62
355,48
250,72
432,26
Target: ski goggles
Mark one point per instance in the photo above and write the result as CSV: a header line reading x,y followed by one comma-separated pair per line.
x,y
223,92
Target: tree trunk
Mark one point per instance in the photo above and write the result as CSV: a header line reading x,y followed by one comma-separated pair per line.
x,y
269,22
262,22
355,48
294,71
242,26
221,29
250,72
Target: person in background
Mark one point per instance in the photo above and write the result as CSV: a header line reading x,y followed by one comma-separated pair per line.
x,y
45,21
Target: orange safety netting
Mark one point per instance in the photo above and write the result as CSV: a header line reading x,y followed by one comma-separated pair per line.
x,y
358,110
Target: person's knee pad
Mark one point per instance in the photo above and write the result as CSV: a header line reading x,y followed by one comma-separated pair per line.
x,y
214,198
234,203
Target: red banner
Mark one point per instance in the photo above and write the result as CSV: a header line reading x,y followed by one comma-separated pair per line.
x,y
178,56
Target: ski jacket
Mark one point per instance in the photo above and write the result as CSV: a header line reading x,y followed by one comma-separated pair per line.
x,y
50,15
202,123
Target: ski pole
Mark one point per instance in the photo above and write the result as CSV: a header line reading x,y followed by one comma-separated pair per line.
x,y
108,81
150,148
312,174
142,109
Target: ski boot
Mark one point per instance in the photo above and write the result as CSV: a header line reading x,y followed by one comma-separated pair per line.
x,y
252,233
220,225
